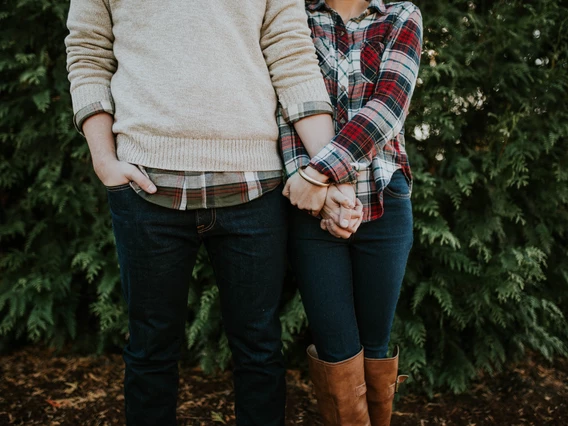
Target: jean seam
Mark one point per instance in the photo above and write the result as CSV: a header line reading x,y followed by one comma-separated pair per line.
x,y
212,224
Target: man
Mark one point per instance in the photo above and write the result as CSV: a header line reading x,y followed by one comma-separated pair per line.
x,y
177,102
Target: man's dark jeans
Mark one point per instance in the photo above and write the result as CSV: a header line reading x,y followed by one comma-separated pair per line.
x,y
157,248
350,288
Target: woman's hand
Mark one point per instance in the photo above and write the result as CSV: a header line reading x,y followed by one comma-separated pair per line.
x,y
342,211
334,229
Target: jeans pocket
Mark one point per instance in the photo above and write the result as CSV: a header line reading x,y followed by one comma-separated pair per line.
x,y
398,186
120,187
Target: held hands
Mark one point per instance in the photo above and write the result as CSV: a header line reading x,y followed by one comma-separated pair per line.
x,y
342,212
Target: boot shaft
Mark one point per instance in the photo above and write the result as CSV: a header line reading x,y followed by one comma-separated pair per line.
x,y
340,390
382,380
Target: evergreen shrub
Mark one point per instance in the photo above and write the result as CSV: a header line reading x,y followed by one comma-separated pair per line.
x,y
488,275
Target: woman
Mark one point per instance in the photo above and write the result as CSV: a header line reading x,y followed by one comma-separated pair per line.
x,y
350,281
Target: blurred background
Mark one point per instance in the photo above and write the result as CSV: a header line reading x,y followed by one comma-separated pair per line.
x,y
487,135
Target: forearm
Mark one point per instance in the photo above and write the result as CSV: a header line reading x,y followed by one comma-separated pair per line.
x,y
315,132
98,131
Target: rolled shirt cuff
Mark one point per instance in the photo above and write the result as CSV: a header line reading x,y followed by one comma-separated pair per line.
x,y
90,110
304,99
337,164
296,112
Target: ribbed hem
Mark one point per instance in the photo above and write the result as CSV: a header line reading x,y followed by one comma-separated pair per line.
x,y
309,91
200,155
89,94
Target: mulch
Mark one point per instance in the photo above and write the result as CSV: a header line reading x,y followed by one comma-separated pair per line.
x,y
41,387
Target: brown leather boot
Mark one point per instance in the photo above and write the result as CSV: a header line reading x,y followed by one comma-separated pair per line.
x,y
382,384
340,390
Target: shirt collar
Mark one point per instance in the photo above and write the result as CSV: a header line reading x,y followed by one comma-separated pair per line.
x,y
378,5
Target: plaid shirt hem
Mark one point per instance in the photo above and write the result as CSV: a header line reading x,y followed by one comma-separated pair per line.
x,y
180,190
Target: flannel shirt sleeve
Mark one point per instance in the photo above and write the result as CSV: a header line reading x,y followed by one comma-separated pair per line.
x,y
294,155
90,110
90,58
382,117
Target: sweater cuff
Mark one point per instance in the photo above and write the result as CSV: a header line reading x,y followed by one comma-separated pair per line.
x,y
337,164
304,99
90,99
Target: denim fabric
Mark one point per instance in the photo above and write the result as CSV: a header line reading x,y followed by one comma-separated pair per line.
x,y
157,248
350,288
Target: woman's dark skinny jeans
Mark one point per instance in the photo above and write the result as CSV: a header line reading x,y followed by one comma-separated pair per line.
x,y
350,288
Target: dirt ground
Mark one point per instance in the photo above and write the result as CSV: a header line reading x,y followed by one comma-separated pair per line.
x,y
38,387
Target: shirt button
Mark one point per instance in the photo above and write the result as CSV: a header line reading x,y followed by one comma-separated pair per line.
x,y
343,88
342,121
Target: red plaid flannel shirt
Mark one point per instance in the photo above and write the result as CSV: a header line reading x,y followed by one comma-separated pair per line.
x,y
370,65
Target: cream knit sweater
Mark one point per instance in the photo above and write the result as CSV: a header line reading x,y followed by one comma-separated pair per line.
x,y
193,85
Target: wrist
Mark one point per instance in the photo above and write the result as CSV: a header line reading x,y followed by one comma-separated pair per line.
x,y
311,180
314,174
102,161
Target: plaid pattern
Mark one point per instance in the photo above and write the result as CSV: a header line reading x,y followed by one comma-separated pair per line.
x,y
89,111
370,66
296,112
205,190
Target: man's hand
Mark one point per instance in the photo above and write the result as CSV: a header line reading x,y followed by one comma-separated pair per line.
x,y
113,172
305,195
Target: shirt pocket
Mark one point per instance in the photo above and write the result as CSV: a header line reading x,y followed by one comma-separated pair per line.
x,y
371,55
326,56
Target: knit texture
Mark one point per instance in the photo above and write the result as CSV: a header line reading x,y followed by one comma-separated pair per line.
x,y
193,86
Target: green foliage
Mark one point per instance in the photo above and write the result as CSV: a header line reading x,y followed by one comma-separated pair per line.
x,y
487,137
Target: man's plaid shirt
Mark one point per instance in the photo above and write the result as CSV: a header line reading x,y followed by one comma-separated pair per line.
x,y
370,65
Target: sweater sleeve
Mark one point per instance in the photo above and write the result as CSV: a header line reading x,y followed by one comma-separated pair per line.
x,y
383,116
291,59
90,58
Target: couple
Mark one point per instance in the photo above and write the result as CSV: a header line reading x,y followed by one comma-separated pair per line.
x,y
178,103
